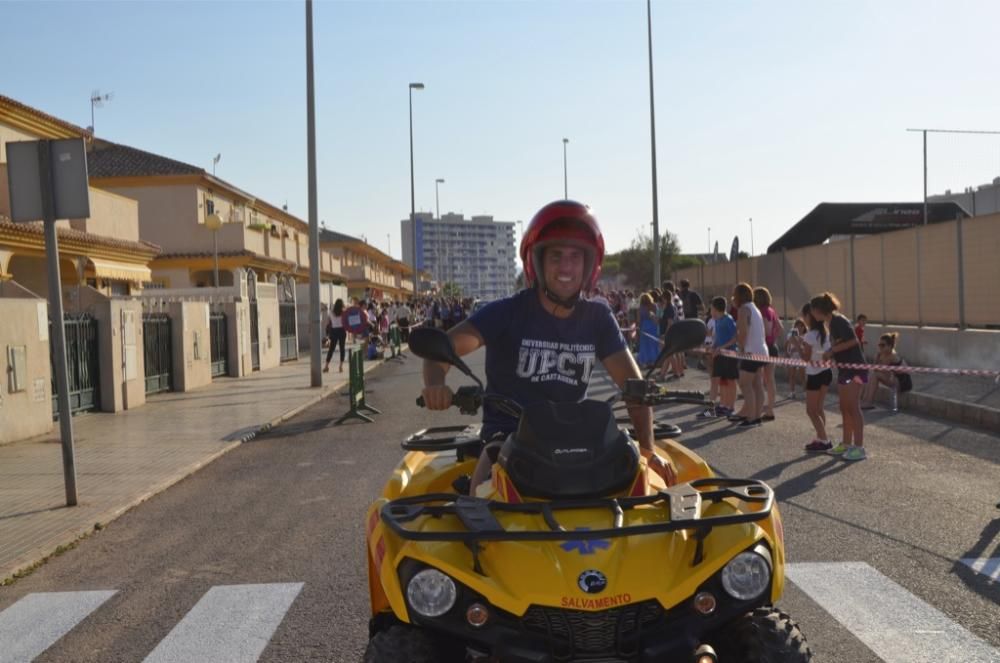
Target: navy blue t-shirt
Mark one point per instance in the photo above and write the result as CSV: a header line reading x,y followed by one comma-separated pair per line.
x,y
532,356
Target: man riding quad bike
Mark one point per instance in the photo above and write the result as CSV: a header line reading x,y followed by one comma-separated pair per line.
x,y
572,541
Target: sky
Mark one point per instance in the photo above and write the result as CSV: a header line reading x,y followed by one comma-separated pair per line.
x,y
763,109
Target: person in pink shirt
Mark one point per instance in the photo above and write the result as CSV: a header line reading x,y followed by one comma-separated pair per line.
x,y
773,333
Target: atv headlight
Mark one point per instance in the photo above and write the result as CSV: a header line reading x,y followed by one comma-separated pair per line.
x,y
746,576
431,593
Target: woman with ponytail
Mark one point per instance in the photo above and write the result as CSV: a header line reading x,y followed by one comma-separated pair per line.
x,y
844,349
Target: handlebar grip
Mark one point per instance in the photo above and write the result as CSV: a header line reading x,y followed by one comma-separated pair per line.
x,y
421,402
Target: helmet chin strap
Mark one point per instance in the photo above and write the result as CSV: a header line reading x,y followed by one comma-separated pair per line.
x,y
565,302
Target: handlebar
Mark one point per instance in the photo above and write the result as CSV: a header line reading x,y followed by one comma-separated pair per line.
x,y
470,398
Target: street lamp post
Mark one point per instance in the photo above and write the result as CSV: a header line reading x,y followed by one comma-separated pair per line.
x,y
437,198
565,176
652,143
751,237
413,202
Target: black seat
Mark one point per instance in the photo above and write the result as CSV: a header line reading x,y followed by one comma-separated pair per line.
x,y
569,450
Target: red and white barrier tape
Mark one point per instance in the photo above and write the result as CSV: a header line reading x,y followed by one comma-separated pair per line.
x,y
900,368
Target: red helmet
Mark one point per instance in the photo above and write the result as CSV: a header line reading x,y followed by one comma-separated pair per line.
x,y
564,221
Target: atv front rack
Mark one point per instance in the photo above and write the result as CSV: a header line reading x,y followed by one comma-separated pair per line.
x,y
477,515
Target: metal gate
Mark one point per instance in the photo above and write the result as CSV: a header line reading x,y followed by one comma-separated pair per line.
x,y
254,322
82,366
286,325
220,344
159,352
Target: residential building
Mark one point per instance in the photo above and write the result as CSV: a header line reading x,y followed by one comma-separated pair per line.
x,y
370,273
103,265
261,251
476,254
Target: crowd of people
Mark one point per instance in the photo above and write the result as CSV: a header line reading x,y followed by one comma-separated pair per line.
x,y
747,323
370,321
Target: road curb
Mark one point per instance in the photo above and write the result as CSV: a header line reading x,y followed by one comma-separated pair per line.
x,y
37,557
973,415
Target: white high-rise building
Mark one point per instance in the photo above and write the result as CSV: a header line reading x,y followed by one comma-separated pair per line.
x,y
476,254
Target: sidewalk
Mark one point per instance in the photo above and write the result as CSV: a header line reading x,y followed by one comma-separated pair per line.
x,y
968,400
123,459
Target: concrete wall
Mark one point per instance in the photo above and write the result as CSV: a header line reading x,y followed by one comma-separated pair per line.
x,y
119,337
168,217
9,134
936,346
111,215
238,343
267,312
28,411
908,277
192,345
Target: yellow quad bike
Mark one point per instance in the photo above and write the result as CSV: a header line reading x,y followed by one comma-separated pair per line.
x,y
572,552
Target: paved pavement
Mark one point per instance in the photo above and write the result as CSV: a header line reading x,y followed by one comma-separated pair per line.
x,y
122,459
973,401
260,555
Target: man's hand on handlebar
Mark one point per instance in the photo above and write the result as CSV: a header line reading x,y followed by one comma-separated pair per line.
x,y
437,397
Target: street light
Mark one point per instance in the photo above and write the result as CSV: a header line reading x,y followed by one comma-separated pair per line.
x,y
413,203
652,144
437,199
565,178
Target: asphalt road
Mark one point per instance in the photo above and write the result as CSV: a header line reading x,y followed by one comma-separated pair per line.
x,y
286,512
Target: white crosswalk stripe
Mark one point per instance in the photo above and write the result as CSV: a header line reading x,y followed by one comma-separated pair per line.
x,y
988,566
37,621
235,623
230,624
893,623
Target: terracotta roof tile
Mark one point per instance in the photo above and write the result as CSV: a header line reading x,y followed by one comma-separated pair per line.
x,y
13,103
107,159
8,228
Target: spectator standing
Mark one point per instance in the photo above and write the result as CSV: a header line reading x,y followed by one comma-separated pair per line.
x,y
815,343
403,316
844,349
725,370
750,337
793,350
691,300
336,333
859,331
773,332
649,347
673,311
897,382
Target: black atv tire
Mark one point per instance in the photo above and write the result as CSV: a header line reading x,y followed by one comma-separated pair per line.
x,y
400,643
765,635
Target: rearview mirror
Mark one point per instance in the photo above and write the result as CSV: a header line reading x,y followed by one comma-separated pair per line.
x,y
682,336
434,345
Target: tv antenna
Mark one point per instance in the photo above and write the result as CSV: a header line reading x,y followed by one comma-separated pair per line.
x,y
97,101
215,160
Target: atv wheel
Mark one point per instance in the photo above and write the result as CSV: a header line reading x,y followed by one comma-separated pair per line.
x,y
397,644
765,635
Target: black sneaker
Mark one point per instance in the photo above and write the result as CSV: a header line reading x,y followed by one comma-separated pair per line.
x,y
747,423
